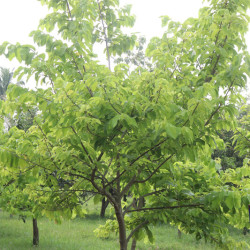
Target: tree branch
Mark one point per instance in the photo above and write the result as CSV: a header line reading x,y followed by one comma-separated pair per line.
x,y
105,34
136,229
220,105
167,207
142,181
144,153
143,196
84,148
242,135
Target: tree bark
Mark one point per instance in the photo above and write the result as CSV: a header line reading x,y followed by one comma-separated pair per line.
x,y
103,208
133,246
122,228
35,233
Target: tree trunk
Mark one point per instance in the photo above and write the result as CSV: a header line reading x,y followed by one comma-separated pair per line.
x,y
133,246
35,233
122,228
139,204
103,208
179,233
245,230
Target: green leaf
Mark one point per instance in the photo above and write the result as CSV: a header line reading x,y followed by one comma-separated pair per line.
x,y
97,198
188,134
165,20
172,131
150,235
130,120
113,122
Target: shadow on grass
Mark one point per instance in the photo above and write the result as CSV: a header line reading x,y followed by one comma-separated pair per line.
x,y
96,217
10,234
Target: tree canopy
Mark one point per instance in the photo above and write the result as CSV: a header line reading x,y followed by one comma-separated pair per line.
x,y
146,133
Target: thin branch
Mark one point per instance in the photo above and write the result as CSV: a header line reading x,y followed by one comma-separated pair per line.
x,y
79,71
212,115
166,207
84,148
129,185
242,135
78,175
136,229
105,34
144,153
192,114
114,180
46,142
111,139
113,107
24,157
100,156
72,100
69,9
79,159
9,183
146,195
102,190
168,158
220,105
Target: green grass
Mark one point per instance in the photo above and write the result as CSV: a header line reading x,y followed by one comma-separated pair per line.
x,y
78,234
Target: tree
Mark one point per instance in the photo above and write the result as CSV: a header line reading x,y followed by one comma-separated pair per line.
x,y
13,193
242,134
5,79
231,156
137,57
13,199
242,141
150,134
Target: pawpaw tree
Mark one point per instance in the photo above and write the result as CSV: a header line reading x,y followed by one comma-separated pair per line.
x,y
17,183
150,134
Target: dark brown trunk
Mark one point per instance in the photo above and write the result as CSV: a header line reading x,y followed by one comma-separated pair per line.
x,y
35,233
179,233
140,204
133,246
103,208
245,230
122,228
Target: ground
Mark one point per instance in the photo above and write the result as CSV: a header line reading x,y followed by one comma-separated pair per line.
x,y
78,234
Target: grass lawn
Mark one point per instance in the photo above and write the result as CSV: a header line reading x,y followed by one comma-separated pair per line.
x,y
78,234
